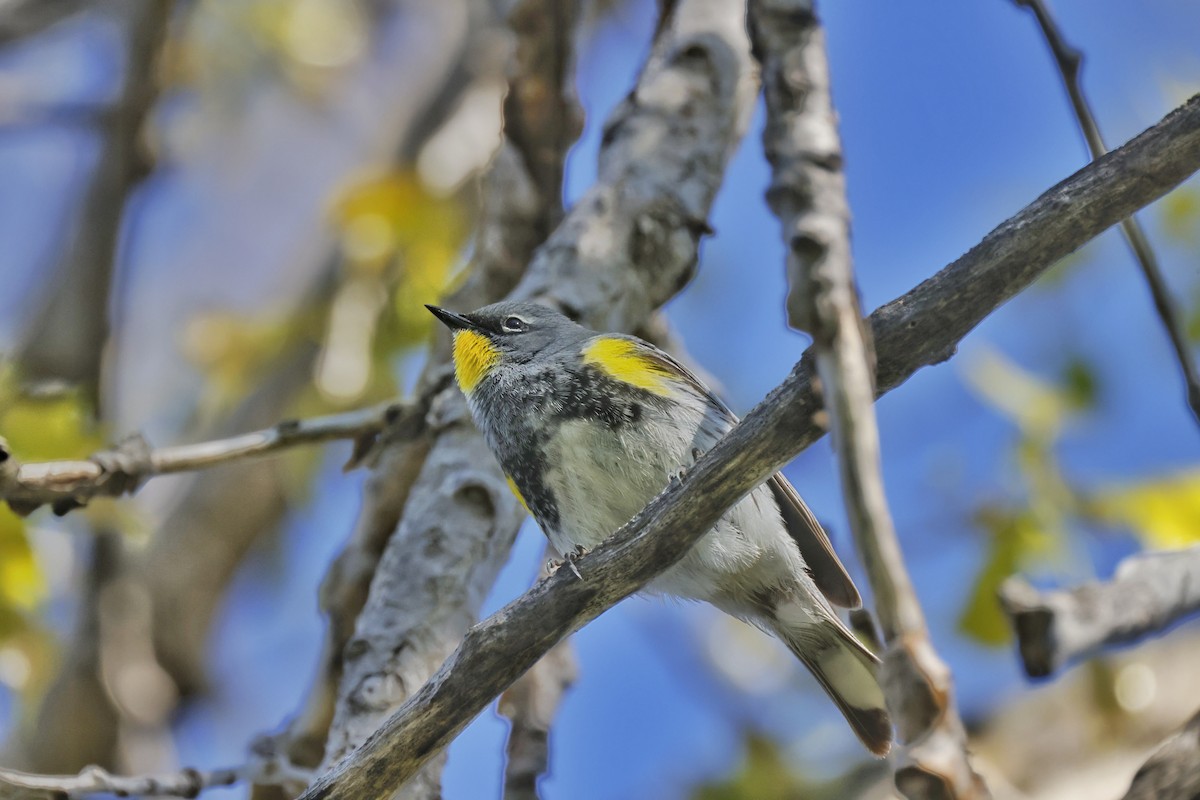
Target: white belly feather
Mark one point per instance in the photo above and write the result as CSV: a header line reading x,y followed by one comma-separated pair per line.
x,y
613,478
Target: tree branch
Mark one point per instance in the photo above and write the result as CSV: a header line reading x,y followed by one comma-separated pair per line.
x,y
808,194
1173,772
94,780
1069,61
122,470
1149,592
920,328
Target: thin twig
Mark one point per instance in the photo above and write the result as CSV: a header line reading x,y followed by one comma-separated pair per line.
x,y
1069,60
919,329
1148,593
94,780
122,469
808,194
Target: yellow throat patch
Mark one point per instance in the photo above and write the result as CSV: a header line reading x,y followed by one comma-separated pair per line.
x,y
621,360
474,356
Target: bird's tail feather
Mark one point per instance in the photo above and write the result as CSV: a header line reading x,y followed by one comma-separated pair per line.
x,y
847,671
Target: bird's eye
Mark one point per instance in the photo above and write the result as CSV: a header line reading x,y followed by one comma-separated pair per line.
x,y
514,324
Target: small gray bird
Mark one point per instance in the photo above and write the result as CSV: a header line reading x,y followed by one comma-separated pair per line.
x,y
589,427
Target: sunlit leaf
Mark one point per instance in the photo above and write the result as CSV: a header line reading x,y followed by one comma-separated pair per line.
x,y
21,583
400,243
1015,538
1163,512
49,426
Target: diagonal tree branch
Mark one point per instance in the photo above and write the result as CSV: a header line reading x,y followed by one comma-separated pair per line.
x,y
808,194
918,329
1149,592
1069,61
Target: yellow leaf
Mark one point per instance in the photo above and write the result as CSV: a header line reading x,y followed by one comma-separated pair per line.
x,y
46,428
390,214
1162,512
1181,214
21,582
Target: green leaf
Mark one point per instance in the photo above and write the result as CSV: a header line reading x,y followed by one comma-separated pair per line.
x,y
763,775
1016,538
1080,384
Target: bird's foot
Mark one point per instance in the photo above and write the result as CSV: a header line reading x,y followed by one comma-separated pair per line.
x,y
554,565
676,476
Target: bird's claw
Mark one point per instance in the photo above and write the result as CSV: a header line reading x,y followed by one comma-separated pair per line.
x,y
676,476
553,565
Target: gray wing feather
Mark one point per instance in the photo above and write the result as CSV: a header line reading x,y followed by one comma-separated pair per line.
x,y
826,569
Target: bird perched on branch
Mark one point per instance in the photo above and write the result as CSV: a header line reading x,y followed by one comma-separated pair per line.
x,y
589,427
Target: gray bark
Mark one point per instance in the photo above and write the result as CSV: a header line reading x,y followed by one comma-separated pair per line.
x,y
1148,593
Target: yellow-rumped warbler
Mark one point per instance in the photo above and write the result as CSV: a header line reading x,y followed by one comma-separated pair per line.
x,y
589,427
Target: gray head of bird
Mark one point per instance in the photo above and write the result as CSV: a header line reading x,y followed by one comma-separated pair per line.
x,y
508,332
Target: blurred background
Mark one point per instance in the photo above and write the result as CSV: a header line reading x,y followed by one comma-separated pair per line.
x,y
307,179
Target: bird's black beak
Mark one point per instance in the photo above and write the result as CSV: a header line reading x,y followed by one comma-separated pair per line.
x,y
453,321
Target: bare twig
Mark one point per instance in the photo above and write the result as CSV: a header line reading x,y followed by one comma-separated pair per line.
x,y
1173,772
921,328
1149,592
1069,61
808,193
94,780
530,705
121,470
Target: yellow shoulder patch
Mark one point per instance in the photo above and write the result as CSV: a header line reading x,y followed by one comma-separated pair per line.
x,y
620,359
474,356
513,487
